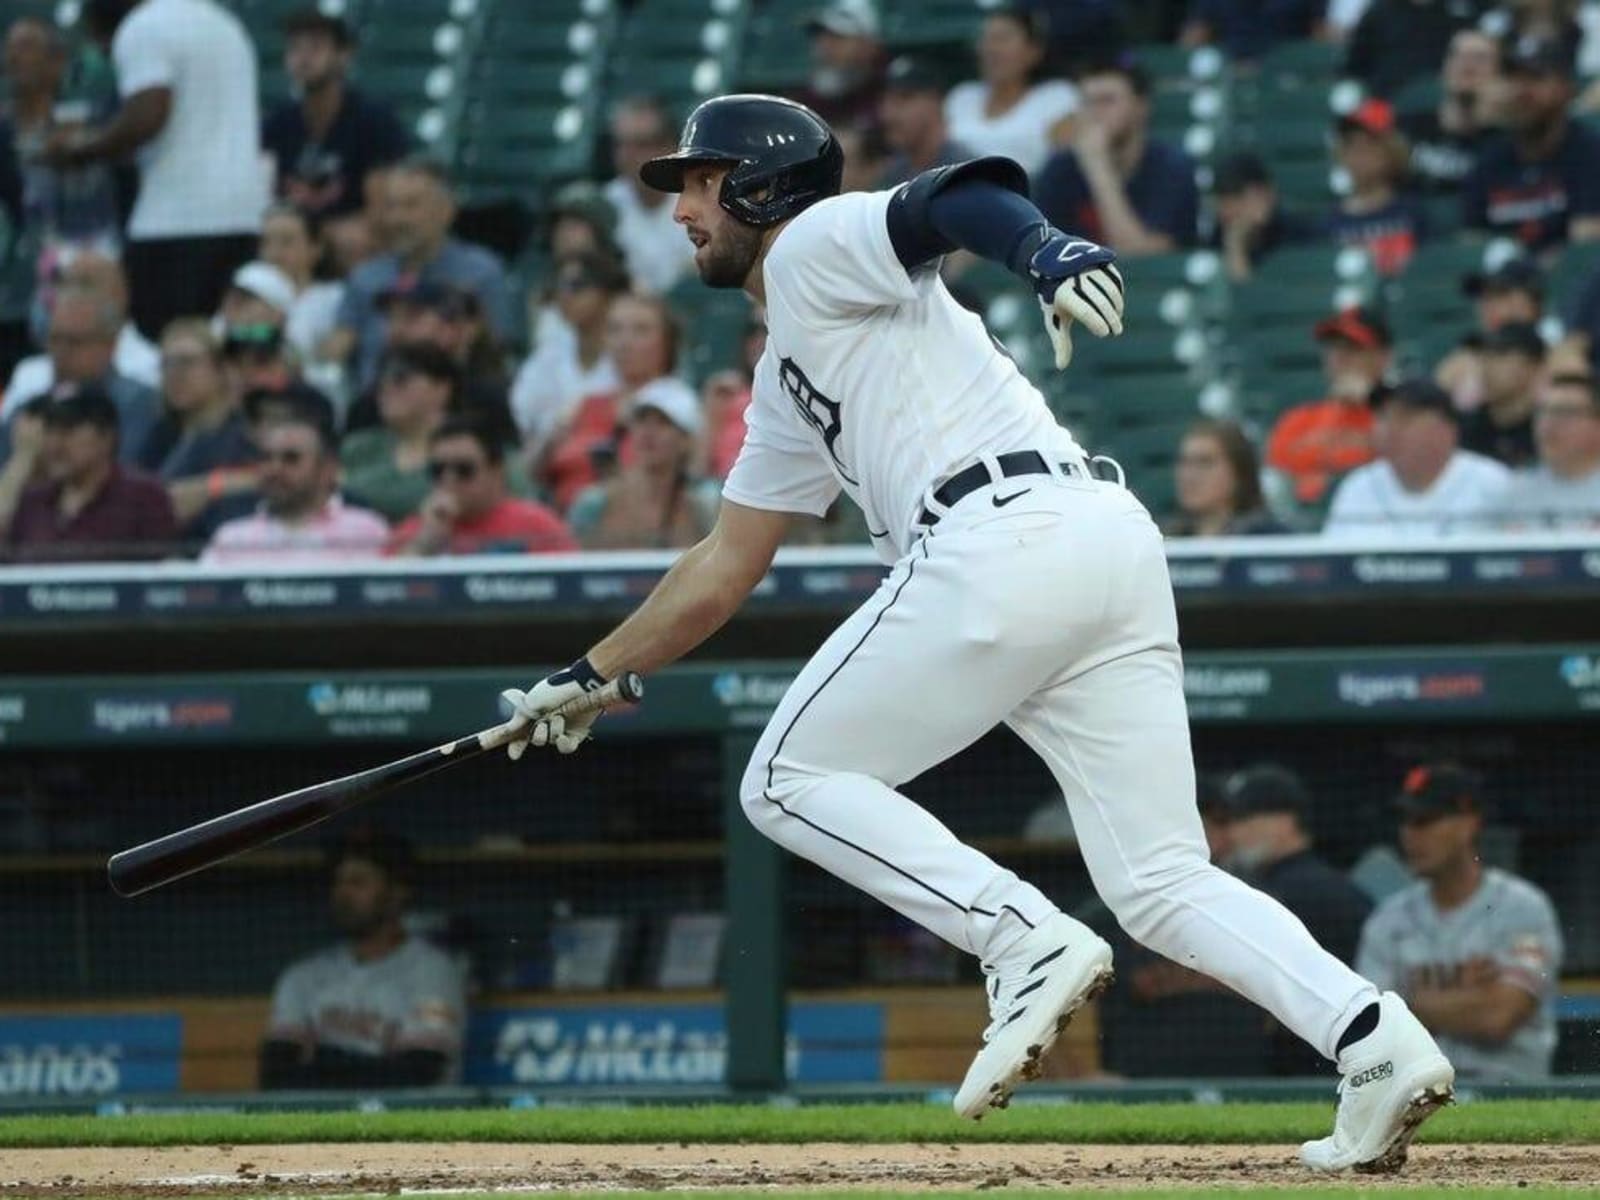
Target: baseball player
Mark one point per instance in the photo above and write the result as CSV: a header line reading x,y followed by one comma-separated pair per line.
x,y
1023,588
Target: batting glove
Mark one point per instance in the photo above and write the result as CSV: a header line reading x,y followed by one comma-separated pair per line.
x,y
532,722
1076,280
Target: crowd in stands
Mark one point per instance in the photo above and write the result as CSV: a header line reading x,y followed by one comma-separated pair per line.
x,y
257,334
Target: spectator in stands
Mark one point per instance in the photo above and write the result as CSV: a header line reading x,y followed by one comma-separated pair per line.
x,y
1501,427
132,356
1316,442
469,510
1245,30
1397,41
1542,185
1512,293
301,519
1251,220
201,447
187,73
386,467
642,338
657,252
258,295
845,84
88,507
1563,490
913,121
1115,183
1423,485
572,362
82,344
1219,484
1375,214
384,1008
292,242
418,208
1475,951
653,502
582,220
1447,139
864,158
328,141
1270,845
1009,110
724,399
1554,21
353,240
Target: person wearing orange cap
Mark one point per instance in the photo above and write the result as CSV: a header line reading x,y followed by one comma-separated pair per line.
x,y
1315,443
1376,214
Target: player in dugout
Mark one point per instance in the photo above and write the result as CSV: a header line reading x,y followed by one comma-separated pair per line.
x,y
383,1008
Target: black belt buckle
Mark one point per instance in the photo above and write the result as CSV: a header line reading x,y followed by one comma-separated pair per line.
x,y
963,483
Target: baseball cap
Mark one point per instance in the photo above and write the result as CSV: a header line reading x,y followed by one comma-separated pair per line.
x,y
1533,54
1265,788
1418,393
847,18
1513,275
443,298
314,21
88,404
1372,115
1440,789
674,400
910,74
1360,326
1516,338
1239,170
265,282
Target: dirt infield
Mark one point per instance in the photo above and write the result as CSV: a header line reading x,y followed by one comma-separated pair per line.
x,y
388,1169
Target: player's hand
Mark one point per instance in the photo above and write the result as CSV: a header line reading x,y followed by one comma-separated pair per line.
x,y
1076,280
533,720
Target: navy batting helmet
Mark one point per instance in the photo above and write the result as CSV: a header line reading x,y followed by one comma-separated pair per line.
x,y
784,158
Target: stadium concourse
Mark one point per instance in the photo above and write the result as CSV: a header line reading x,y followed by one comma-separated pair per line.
x,y
350,376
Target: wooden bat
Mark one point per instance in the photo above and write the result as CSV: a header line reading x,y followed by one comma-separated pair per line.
x,y
153,864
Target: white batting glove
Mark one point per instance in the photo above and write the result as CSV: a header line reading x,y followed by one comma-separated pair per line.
x,y
533,721
1076,280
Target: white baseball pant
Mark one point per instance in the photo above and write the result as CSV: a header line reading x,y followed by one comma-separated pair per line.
x,y
1055,615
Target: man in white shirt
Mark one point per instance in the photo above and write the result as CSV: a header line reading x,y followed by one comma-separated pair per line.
x,y
1563,490
1423,484
133,357
186,71
657,253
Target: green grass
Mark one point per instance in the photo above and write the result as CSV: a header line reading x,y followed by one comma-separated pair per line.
x,y
1503,1121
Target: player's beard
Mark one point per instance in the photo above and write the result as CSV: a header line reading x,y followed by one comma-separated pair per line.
x,y
730,258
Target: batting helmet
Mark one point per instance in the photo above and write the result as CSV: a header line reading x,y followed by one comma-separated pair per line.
x,y
784,158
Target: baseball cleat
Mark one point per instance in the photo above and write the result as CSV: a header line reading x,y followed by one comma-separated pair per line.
x,y
1051,973
1394,1079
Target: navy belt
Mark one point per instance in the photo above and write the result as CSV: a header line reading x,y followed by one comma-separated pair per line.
x,y
963,483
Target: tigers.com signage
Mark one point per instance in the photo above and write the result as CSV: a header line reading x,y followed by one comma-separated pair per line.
x,y
77,1057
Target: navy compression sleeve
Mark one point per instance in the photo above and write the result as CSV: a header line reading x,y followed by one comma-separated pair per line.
x,y
980,206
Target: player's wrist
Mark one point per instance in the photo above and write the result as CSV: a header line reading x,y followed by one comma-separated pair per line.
x,y
581,672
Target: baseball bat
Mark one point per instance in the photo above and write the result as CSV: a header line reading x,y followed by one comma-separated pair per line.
x,y
138,870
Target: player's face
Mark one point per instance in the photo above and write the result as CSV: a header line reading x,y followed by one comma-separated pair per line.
x,y
1433,844
1566,427
363,899
725,250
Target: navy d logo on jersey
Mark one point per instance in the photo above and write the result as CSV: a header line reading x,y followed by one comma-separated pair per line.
x,y
816,409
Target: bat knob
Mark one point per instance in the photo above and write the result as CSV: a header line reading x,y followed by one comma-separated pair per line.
x,y
630,687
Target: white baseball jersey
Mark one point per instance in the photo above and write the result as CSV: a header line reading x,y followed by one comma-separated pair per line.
x,y
412,999
1408,943
874,379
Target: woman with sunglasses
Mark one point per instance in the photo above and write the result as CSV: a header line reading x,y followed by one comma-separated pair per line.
x,y
386,467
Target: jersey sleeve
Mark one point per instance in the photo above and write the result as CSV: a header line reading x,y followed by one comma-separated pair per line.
x,y
435,1008
778,468
1530,948
292,1018
145,57
1375,960
835,261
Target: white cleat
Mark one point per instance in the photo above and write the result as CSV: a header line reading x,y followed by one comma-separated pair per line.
x,y
1048,976
1395,1078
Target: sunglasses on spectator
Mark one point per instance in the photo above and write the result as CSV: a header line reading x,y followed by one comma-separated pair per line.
x,y
399,373
459,469
287,458
575,283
